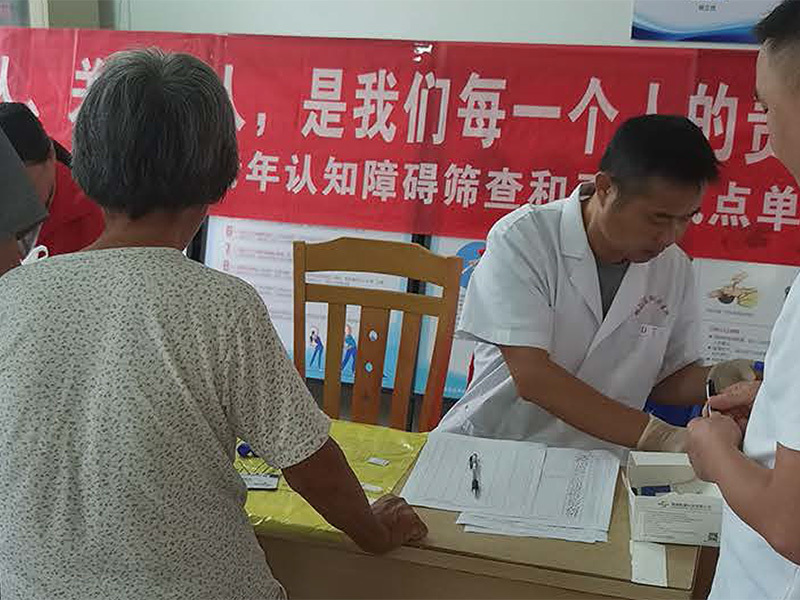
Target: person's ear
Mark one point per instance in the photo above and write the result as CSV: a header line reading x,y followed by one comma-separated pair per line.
x,y
605,189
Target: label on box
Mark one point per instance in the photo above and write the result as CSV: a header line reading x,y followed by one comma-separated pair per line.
x,y
373,489
261,481
693,524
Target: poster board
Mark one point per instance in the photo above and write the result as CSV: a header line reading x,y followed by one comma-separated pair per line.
x,y
725,21
260,252
470,252
739,304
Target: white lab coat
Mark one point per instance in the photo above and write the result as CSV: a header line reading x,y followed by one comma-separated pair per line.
x,y
537,286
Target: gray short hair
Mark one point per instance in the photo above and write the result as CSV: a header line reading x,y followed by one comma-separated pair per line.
x,y
155,133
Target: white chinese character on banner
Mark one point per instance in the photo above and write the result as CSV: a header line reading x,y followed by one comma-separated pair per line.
x,y
652,97
325,106
594,91
761,148
503,186
261,123
5,92
546,187
238,173
780,208
227,81
380,179
341,178
263,169
534,111
731,207
86,75
482,111
461,185
377,97
706,111
420,182
416,106
295,181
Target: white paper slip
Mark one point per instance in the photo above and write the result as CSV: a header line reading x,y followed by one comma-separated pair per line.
x,y
379,462
577,488
582,536
261,481
508,475
373,489
648,563
476,523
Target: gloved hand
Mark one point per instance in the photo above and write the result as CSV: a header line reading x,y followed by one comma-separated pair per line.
x,y
725,374
659,436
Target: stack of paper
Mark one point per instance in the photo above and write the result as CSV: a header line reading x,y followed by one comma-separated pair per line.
x,y
527,489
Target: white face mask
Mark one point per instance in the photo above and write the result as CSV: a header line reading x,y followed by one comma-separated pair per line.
x,y
26,246
37,253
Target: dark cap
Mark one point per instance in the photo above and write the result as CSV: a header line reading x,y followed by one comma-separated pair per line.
x,y
20,206
25,132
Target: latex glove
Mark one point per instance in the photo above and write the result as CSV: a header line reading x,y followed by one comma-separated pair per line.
x,y
725,374
659,436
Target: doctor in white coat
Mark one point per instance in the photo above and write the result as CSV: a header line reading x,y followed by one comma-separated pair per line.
x,y
584,308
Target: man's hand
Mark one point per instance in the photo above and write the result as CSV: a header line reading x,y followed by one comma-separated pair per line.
x,y
709,439
401,523
736,401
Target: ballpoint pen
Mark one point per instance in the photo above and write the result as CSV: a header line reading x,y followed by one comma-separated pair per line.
x,y
473,467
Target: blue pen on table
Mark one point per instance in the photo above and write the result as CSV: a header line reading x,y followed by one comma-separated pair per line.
x,y
245,451
474,467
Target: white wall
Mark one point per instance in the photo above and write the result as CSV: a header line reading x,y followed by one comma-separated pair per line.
x,y
531,21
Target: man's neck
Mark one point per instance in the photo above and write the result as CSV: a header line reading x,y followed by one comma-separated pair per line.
x,y
600,246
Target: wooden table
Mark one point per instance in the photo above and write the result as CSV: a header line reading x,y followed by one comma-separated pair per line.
x,y
454,564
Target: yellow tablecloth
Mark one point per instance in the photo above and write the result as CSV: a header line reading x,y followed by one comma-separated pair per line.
x,y
283,508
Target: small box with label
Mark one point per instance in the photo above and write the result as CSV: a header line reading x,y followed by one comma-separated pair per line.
x,y
668,504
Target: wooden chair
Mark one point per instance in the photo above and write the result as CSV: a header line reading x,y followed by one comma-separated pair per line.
x,y
390,258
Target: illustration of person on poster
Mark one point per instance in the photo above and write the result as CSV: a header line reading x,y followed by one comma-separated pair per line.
x,y
350,348
315,342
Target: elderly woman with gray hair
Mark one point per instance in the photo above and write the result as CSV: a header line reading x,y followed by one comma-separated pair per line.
x,y
127,372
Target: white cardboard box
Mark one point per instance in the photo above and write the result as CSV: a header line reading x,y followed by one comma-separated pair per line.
x,y
691,515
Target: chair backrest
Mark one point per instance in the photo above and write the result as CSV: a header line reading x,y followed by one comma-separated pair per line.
x,y
390,258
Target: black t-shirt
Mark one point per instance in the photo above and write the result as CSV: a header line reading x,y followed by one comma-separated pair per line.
x,y
610,276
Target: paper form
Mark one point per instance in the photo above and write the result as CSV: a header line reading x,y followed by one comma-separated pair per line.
x,y
573,501
509,475
527,489
577,488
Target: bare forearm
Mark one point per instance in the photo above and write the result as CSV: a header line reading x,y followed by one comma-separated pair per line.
x,y
686,387
580,405
748,489
328,484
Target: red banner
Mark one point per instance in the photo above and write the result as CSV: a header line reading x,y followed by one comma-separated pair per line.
x,y
443,138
